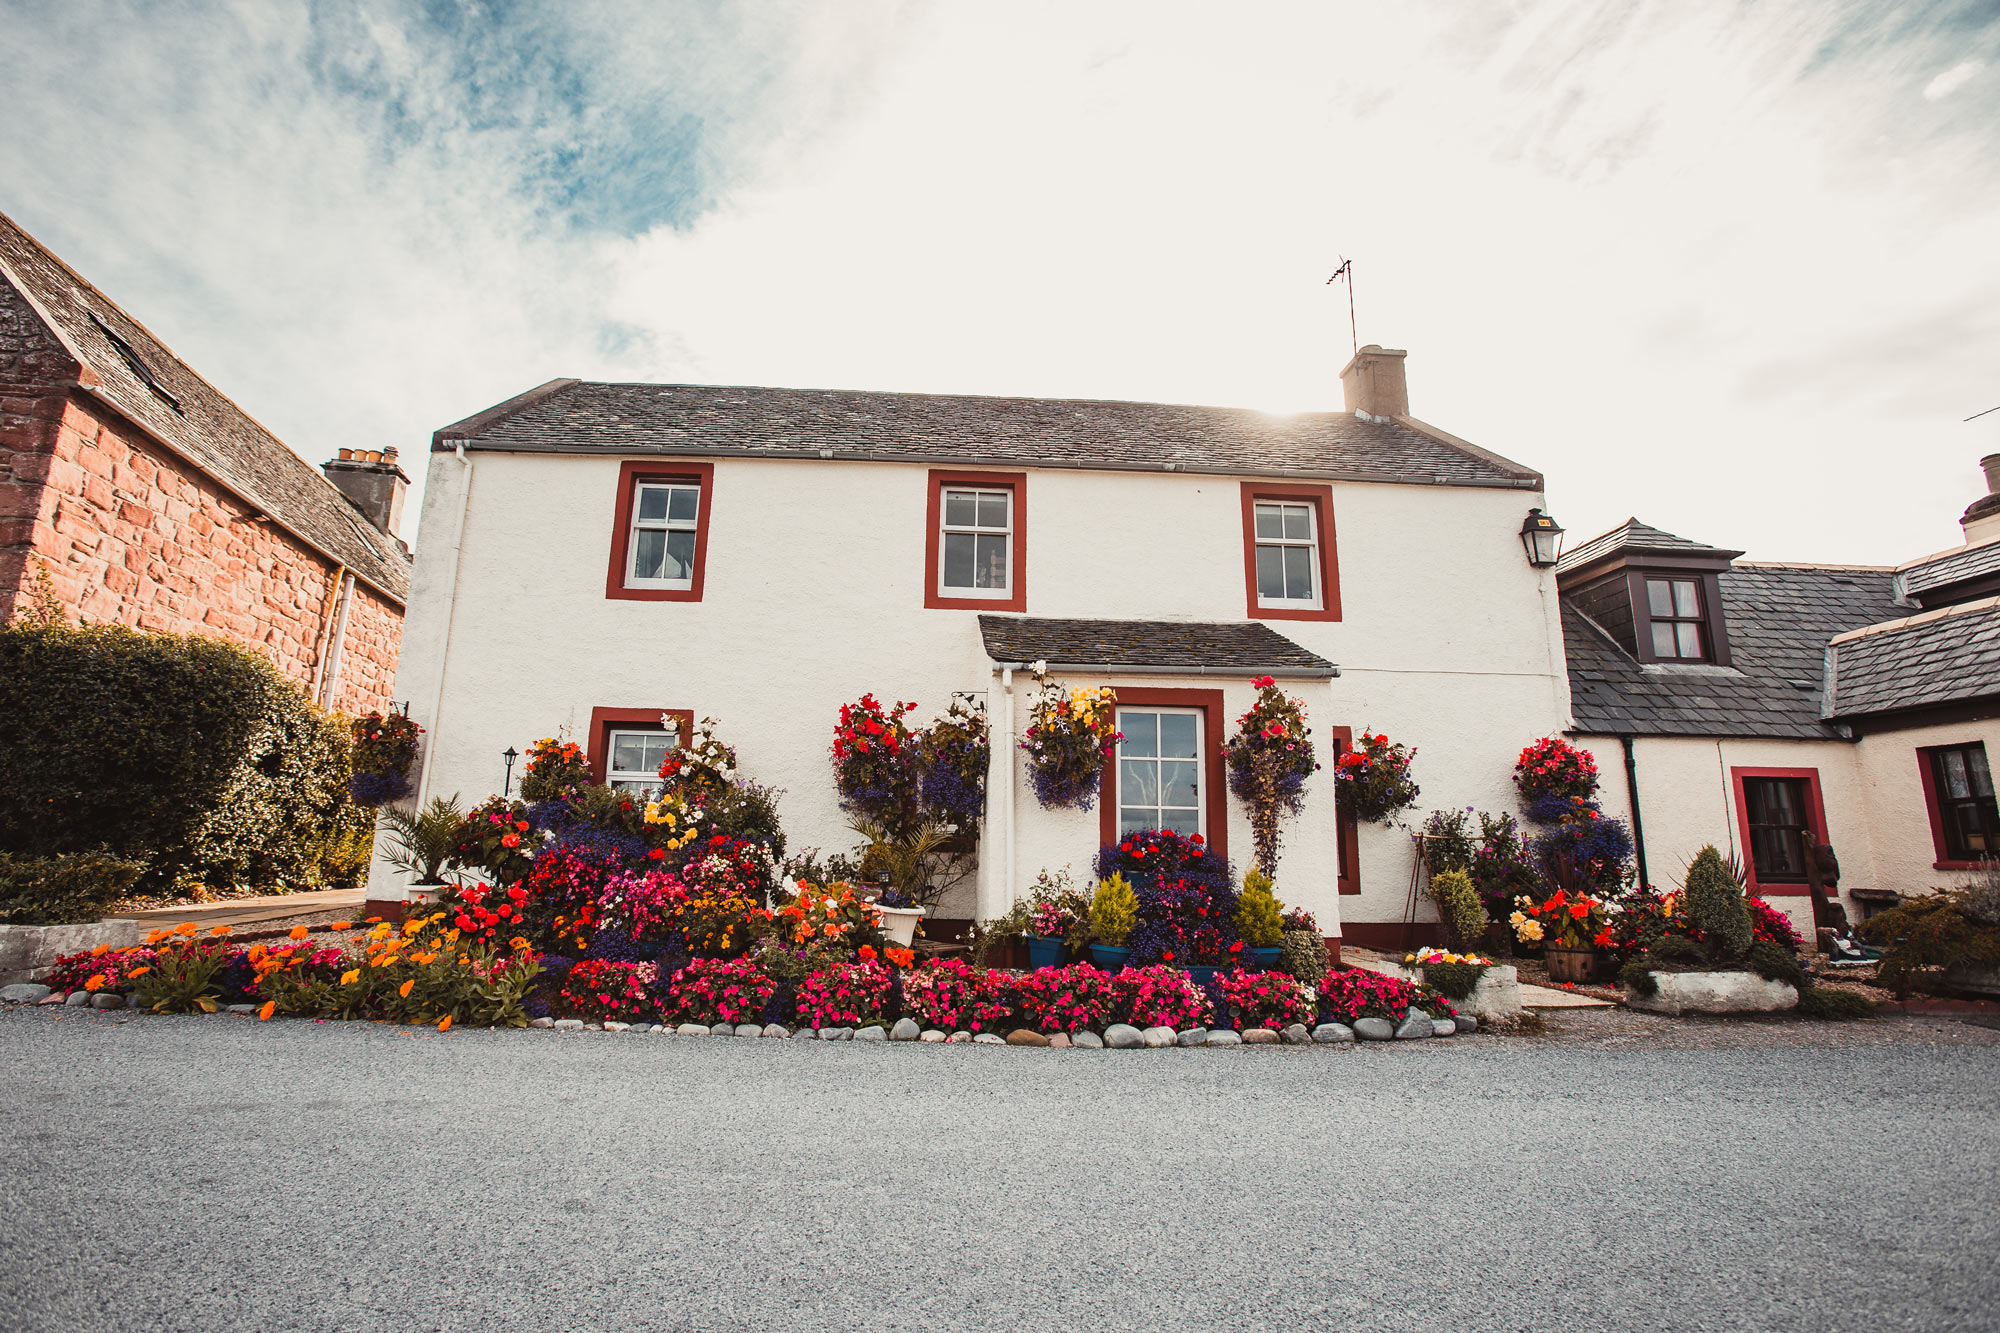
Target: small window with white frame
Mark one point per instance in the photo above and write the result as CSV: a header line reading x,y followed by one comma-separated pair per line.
x,y
976,543
665,523
635,756
1159,771
1287,538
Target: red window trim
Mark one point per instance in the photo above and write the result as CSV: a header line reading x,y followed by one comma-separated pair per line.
x,y
1321,498
1210,704
597,746
630,474
1939,847
1348,826
1017,482
1815,811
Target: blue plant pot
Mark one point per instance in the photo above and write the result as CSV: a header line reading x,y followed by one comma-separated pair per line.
x,y
1202,976
1044,952
1264,960
1109,957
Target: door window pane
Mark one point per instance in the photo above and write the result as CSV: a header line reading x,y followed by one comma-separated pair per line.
x,y
1159,770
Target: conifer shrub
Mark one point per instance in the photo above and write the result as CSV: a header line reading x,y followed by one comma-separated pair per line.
x,y
1259,919
1459,908
1114,911
1714,905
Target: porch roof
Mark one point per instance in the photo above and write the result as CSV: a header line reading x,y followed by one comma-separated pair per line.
x,y
1151,647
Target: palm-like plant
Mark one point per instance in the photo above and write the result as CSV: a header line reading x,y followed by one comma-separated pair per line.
x,y
920,864
424,842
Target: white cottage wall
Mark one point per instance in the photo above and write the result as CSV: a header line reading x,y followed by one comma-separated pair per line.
x,y
814,594
1892,781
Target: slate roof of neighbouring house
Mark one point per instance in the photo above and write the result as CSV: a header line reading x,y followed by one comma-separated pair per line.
x,y
574,416
1778,620
1947,656
1632,535
201,424
1960,565
1174,647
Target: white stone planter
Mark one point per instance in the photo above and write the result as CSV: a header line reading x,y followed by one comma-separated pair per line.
x,y
27,952
1715,993
1496,997
1978,980
899,924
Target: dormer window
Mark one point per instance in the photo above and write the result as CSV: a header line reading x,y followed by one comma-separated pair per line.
x,y
1679,628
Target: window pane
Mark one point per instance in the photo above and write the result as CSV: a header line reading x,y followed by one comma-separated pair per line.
x,y
1298,522
1976,770
1142,732
1663,638
1270,572
1270,522
960,508
958,560
1659,598
1138,782
652,504
1177,735
1689,634
1951,767
628,753
1178,785
991,561
1187,823
685,501
680,555
649,554
1686,604
992,511
1298,573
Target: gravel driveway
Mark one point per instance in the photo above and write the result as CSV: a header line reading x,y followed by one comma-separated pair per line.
x,y
216,1174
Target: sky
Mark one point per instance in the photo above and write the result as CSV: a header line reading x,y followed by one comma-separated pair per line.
x,y
1733,268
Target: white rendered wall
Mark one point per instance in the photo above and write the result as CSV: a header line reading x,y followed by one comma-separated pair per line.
x,y
814,591
1892,785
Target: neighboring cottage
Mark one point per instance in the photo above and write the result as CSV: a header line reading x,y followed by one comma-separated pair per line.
x,y
599,555
1748,703
153,500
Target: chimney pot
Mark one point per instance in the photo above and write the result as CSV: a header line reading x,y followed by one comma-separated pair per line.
x,y
1374,382
1981,520
346,454
1991,466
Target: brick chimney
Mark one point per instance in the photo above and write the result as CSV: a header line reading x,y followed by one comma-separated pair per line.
x,y
1981,519
372,483
1373,383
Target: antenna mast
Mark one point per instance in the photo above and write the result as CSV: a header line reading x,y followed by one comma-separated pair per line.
x,y
1346,270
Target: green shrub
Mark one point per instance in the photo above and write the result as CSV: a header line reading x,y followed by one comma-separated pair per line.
x,y
1637,976
63,889
1454,981
1773,963
190,755
1258,917
1715,907
1941,929
1458,905
1114,911
424,843
1675,951
1839,1006
1304,956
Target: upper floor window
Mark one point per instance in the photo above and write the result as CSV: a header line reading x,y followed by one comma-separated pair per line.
x,y
975,539
1963,812
1287,554
664,517
634,759
1679,628
976,546
659,540
1289,566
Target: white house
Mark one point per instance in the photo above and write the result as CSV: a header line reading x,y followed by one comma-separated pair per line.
x,y
596,555
1747,703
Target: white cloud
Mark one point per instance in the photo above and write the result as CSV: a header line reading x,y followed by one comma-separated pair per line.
x,y
1708,264
1949,82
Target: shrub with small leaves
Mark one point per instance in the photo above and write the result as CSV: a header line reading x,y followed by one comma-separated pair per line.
x,y
1458,905
1114,911
1259,919
1714,905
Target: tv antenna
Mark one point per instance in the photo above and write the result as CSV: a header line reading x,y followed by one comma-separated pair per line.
x,y
1346,270
1976,415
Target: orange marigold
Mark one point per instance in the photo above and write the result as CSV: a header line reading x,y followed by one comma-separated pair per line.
x,y
405,989
444,1025
298,932
270,1007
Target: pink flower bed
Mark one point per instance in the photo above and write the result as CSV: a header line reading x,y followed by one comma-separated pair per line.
x,y
1267,999
844,995
720,990
1158,997
1065,999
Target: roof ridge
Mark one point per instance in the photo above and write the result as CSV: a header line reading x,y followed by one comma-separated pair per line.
x,y
1921,618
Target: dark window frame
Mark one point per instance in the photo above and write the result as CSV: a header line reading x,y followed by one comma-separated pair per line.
x,y
1950,857
1708,592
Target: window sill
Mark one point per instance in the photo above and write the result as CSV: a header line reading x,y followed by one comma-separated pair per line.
x,y
1293,613
1955,865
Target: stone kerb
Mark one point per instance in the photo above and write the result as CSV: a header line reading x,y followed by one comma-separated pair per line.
x,y
28,952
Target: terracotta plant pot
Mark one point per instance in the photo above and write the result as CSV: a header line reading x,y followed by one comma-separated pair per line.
x,y
1576,966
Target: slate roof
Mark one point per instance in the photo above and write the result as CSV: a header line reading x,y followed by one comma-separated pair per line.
x,y
1632,535
1959,565
1778,619
1946,656
208,430
574,416
1173,647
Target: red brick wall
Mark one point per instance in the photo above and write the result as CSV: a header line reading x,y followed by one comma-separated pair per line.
x,y
132,534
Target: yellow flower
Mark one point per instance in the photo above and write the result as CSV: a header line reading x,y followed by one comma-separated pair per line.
x,y
351,976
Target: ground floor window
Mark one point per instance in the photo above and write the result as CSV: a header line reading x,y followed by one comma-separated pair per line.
x,y
1776,811
633,765
1159,770
1963,814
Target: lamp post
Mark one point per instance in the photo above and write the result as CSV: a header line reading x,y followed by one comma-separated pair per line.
x,y
507,787
1542,537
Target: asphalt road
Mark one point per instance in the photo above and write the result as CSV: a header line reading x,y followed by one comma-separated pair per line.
x,y
216,1174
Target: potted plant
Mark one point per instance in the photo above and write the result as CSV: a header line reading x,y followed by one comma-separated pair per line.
x,y
900,916
1372,781
1260,921
1114,911
1056,911
1270,757
1070,734
424,843
1304,952
1567,925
